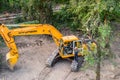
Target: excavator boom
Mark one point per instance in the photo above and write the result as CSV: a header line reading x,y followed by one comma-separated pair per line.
x,y
26,29
36,29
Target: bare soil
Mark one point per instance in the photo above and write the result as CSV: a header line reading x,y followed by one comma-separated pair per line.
x,y
34,51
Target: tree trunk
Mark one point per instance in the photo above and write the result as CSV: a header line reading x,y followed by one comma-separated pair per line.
x,y
98,62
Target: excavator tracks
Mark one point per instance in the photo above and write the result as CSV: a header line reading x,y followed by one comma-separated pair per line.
x,y
54,57
75,66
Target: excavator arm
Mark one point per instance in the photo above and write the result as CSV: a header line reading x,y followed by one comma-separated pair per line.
x,y
12,55
36,29
26,29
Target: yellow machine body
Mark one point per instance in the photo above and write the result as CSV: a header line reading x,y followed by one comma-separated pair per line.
x,y
37,29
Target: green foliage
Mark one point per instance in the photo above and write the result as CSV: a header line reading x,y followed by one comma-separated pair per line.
x,y
14,4
38,10
4,5
104,39
62,18
30,22
19,19
9,5
90,59
109,9
93,17
85,15
61,1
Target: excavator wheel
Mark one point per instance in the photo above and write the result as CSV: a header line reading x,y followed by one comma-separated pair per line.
x,y
53,58
76,65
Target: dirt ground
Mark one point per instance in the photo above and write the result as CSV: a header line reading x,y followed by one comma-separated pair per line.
x,y
34,51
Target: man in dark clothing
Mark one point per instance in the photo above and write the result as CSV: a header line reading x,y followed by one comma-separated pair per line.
x,y
76,54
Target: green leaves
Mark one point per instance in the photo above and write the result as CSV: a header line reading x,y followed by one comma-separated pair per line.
x,y
40,10
93,18
90,59
104,30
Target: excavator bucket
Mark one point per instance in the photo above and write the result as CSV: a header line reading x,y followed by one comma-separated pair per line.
x,y
11,60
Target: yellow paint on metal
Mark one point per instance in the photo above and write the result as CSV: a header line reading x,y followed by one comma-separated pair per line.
x,y
11,60
93,46
69,38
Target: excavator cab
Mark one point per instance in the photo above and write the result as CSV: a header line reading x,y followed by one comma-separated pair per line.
x,y
66,45
66,50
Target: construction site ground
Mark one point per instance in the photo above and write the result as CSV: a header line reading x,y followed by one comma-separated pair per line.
x,y
34,51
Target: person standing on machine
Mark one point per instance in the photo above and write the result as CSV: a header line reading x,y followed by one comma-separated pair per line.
x,y
76,54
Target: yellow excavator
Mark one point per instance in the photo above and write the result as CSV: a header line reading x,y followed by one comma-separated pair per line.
x,y
65,44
